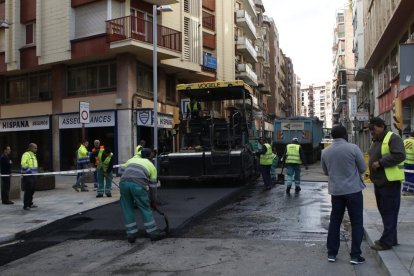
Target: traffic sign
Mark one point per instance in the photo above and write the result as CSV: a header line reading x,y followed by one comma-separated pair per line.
x,y
84,113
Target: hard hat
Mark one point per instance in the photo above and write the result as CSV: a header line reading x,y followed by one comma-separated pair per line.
x,y
295,139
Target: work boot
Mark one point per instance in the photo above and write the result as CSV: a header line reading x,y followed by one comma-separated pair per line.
x,y
132,238
288,189
75,188
99,195
298,189
157,235
108,195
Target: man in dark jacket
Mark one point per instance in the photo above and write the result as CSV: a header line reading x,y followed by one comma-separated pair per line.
x,y
5,163
386,157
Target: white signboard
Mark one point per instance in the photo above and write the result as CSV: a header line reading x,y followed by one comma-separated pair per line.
x,y
97,119
145,118
362,116
84,112
293,125
352,105
23,124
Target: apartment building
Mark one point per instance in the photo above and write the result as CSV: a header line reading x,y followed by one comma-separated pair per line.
x,y
307,101
275,100
55,54
365,98
387,25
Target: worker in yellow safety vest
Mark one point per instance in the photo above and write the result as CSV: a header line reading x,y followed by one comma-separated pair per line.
x,y
266,157
193,109
293,158
138,149
29,166
386,158
408,184
138,186
82,162
105,167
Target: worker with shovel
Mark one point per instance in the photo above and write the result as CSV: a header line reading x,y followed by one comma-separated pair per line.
x,y
139,183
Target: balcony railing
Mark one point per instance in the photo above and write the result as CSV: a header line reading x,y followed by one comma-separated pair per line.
x,y
131,27
209,21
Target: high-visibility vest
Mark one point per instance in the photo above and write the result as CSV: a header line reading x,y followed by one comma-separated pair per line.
x,y
29,162
409,150
138,150
96,158
141,171
394,173
83,155
192,108
105,163
293,154
267,158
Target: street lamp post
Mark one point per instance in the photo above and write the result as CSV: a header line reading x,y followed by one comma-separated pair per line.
x,y
155,69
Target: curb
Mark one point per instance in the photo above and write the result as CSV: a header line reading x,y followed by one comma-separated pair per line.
x,y
388,259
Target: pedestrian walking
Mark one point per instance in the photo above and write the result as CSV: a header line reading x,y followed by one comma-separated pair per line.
x,y
5,168
345,186
408,184
29,166
82,162
265,163
293,158
105,167
94,155
386,157
139,184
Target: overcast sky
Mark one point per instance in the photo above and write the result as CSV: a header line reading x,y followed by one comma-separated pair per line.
x,y
306,35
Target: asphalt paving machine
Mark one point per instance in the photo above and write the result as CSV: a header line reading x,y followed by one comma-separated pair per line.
x,y
214,147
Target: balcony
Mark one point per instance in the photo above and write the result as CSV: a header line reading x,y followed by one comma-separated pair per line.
x,y
135,34
246,73
243,20
209,41
209,5
209,21
161,2
250,7
265,89
244,46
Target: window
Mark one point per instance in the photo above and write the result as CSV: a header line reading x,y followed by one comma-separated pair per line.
x,y
91,79
30,33
170,88
27,88
144,80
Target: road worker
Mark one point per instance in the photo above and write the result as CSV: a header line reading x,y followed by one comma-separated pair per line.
x,y
105,167
139,184
29,166
293,158
408,184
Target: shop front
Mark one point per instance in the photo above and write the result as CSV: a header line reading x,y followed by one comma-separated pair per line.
x,y
101,127
19,132
145,129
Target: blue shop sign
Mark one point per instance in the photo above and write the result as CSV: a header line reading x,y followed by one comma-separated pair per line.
x,y
210,62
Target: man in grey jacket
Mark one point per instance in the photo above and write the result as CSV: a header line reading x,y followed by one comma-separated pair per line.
x,y
344,163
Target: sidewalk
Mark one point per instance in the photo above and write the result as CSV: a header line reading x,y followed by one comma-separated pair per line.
x,y
399,260
53,205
